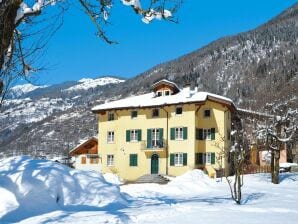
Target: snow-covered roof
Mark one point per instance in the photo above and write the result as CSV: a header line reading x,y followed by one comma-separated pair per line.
x,y
165,81
81,143
150,100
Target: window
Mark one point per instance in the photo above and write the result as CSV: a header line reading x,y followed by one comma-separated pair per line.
x,y
207,134
159,93
133,160
167,92
205,158
110,160
134,114
155,138
178,159
133,135
178,110
207,113
155,113
111,116
83,160
93,160
111,137
178,133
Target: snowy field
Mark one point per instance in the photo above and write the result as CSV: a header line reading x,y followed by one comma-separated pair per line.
x,y
40,191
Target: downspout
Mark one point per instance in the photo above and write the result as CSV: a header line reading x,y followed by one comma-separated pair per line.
x,y
167,141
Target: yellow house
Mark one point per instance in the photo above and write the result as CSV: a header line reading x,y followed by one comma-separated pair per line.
x,y
168,131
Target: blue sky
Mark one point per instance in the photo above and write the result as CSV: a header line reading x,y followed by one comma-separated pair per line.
x,y
75,52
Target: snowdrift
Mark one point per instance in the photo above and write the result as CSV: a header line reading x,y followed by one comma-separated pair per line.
x,y
30,187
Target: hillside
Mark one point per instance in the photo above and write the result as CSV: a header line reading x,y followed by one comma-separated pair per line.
x,y
252,68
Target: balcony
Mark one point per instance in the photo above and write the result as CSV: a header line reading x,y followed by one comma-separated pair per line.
x,y
154,146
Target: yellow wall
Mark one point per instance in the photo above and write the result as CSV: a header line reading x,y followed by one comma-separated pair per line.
x,y
190,118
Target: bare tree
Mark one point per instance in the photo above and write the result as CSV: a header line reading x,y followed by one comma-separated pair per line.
x,y
20,21
278,131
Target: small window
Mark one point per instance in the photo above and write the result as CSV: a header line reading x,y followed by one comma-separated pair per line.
x,y
207,113
83,160
178,159
134,114
207,134
229,134
133,135
133,160
178,110
167,92
110,160
111,137
111,116
155,113
179,133
93,160
159,93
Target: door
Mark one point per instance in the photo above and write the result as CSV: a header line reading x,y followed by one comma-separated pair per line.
x,y
154,164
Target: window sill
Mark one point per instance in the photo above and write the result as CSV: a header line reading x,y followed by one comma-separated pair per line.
x,y
178,165
110,142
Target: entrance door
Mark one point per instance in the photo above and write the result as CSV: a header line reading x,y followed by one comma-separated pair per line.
x,y
154,164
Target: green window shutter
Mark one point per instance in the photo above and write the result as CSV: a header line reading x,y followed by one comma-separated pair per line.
x,y
172,133
149,139
200,134
161,135
197,134
184,159
139,135
200,158
212,133
127,135
197,158
184,133
133,160
212,158
172,157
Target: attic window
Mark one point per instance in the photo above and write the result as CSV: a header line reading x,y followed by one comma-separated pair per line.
x,y
207,113
155,113
159,93
167,93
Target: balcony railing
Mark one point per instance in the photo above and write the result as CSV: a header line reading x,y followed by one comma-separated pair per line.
x,y
155,145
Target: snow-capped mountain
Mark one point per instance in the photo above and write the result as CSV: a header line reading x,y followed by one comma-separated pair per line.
x,y
20,90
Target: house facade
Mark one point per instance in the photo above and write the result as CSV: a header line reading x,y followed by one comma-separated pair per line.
x,y
85,155
168,131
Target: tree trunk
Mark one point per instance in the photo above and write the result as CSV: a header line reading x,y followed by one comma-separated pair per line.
x,y
275,179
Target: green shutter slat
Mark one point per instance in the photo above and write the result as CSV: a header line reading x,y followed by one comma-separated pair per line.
x,y
161,135
200,134
139,135
184,159
130,160
212,133
200,159
172,157
149,139
172,133
197,134
133,160
184,133
197,158
127,135
212,158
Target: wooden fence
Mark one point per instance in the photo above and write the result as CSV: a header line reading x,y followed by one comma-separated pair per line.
x,y
252,168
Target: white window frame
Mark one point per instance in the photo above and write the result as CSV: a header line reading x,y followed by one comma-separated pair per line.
x,y
110,160
110,137
179,133
181,111
134,135
204,113
110,115
178,159
208,158
132,113
155,137
207,133
168,92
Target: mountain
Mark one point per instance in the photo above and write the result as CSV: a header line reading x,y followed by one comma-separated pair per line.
x,y
254,68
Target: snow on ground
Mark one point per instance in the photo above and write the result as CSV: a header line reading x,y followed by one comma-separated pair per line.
x,y
190,198
33,187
